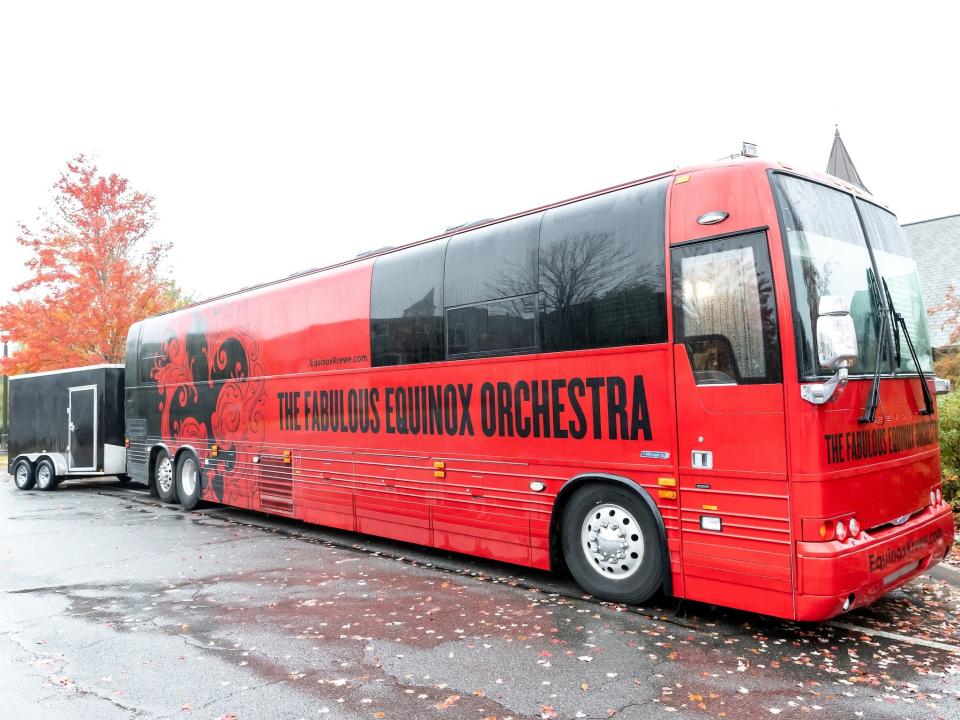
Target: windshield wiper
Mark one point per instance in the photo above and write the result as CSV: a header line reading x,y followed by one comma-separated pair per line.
x,y
870,411
899,321
896,327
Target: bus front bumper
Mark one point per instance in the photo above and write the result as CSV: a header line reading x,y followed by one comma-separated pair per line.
x,y
835,577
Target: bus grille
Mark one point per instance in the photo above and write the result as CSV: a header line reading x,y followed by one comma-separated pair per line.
x,y
275,485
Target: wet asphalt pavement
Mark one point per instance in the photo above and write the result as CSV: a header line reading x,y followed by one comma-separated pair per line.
x,y
114,606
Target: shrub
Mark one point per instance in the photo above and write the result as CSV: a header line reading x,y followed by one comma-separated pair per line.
x,y
948,407
947,364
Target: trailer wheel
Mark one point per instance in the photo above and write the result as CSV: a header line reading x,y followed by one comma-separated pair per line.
x,y
46,475
23,475
611,544
163,477
188,480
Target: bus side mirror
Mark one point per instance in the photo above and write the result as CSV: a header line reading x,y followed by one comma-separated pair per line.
x,y
836,334
836,347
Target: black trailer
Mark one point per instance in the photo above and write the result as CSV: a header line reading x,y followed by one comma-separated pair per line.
x,y
66,424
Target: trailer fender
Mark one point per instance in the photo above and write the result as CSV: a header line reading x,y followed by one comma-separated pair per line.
x,y
30,457
566,492
59,461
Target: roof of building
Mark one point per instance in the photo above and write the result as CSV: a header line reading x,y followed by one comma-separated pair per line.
x,y
934,245
840,165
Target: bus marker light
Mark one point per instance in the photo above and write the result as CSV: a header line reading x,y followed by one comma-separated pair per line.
x,y
826,529
214,450
710,507
711,522
681,179
286,457
126,442
256,458
439,474
538,486
667,482
713,217
668,494
439,465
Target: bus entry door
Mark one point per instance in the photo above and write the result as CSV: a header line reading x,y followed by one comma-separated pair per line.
x,y
734,523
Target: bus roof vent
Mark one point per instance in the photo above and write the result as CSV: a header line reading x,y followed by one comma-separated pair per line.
x,y
367,253
464,226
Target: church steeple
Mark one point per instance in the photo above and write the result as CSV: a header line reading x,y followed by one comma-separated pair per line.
x,y
840,165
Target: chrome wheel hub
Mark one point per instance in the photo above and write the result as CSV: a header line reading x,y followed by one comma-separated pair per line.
x,y
22,473
43,475
612,541
188,476
165,475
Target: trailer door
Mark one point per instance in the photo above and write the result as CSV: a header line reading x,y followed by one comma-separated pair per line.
x,y
731,424
82,416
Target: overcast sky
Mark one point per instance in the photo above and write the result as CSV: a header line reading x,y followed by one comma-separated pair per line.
x,y
281,136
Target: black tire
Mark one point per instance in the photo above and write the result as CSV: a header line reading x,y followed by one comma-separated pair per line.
x,y
163,477
188,490
629,527
23,476
46,475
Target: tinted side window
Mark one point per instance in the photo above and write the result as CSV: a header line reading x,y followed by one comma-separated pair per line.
x,y
491,263
130,357
499,326
406,313
725,312
150,357
602,277
490,287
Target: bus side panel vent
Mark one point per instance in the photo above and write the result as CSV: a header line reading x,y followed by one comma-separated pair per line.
x,y
275,485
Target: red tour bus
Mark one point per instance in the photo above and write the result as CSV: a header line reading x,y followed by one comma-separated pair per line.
x,y
714,382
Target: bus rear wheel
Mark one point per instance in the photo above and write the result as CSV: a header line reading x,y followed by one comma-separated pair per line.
x,y
163,477
23,475
46,475
611,543
188,480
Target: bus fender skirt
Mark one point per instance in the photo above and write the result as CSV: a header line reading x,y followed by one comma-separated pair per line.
x,y
577,481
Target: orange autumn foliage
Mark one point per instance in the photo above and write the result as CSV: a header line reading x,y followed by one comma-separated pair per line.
x,y
93,273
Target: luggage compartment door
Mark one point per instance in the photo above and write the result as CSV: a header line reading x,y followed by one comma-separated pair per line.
x,y
82,417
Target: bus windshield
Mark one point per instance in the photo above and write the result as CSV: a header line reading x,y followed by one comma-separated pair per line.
x,y
899,271
828,254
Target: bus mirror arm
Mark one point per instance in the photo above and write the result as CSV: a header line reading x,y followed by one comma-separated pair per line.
x,y
819,393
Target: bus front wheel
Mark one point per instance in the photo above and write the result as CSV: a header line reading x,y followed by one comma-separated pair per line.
x,y
611,543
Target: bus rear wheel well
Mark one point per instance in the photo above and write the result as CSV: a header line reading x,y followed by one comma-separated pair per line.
x,y
567,492
152,465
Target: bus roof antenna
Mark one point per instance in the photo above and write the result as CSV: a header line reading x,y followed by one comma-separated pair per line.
x,y
747,149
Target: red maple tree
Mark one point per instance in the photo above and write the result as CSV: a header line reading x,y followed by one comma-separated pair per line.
x,y
93,273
